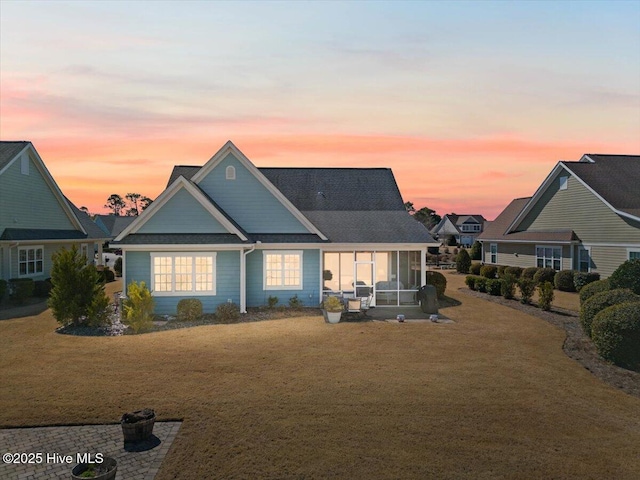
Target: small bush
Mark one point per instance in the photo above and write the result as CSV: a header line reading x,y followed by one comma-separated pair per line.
x,y
529,272
481,284
474,269
580,279
272,301
463,262
592,288
515,271
42,288
21,289
489,271
544,275
295,302
526,286
616,334
227,313
508,286
476,251
106,275
501,270
189,309
494,286
3,289
545,295
602,300
627,275
564,281
117,266
138,307
470,280
439,281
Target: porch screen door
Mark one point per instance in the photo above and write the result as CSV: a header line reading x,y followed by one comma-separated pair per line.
x,y
364,276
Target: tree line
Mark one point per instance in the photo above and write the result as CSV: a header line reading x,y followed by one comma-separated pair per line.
x,y
131,205
429,218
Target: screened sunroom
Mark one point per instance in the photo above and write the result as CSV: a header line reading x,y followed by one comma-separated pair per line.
x,y
392,277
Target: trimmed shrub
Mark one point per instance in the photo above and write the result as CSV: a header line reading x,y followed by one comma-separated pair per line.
x,y
21,289
228,313
3,289
529,272
77,296
616,334
564,280
489,271
580,279
106,275
272,301
545,295
470,280
117,266
189,309
481,284
501,270
602,300
494,286
474,269
591,289
42,288
295,302
544,275
508,286
439,281
627,275
138,307
526,286
516,272
463,262
476,251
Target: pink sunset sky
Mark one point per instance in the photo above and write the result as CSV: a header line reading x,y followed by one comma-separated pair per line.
x,y
470,104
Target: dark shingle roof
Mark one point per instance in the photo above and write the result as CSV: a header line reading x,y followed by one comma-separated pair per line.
x,y
115,224
180,238
616,178
187,171
9,150
496,230
15,234
93,231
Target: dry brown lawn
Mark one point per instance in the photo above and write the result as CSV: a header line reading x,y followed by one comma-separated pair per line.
x,y
490,396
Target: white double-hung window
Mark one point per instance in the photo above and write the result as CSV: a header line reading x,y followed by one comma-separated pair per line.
x,y
30,261
549,257
282,270
175,273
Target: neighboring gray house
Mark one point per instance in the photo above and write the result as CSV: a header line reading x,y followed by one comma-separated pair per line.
x,y
464,228
585,216
228,231
113,225
36,219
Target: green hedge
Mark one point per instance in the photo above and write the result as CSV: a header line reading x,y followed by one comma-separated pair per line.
x,y
189,309
3,289
529,272
494,286
489,271
616,334
515,271
474,269
564,280
508,286
591,289
526,286
602,300
463,262
227,313
470,280
580,279
21,289
627,275
544,275
439,281
481,284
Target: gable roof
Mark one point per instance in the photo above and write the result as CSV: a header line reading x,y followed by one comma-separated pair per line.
x,y
457,220
9,151
113,224
497,230
614,179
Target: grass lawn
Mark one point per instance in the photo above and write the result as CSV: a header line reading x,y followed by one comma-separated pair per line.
x,y
490,396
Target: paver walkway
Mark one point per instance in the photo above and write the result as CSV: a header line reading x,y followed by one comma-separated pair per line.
x,y
55,443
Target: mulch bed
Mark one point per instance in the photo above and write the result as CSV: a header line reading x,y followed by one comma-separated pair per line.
x,y
577,345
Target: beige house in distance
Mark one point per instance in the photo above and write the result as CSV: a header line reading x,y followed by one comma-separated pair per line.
x,y
585,216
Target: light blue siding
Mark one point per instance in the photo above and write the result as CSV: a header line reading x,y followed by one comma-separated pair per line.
x,y
247,201
182,214
27,201
309,295
138,268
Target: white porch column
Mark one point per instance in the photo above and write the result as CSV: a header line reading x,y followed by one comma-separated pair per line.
x,y
243,282
99,262
423,267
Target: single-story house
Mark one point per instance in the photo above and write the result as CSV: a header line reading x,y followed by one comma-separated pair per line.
x,y
464,228
228,231
36,219
585,216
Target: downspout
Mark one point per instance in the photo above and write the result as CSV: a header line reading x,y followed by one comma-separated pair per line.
x,y
243,278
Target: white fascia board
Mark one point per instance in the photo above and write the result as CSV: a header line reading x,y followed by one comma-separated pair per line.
x,y
197,247
502,240
229,147
368,247
165,196
51,183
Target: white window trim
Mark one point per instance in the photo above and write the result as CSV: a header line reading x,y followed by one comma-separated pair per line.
x,y
632,250
35,273
230,172
580,248
564,182
548,246
281,252
191,293
491,245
